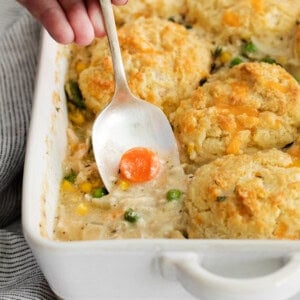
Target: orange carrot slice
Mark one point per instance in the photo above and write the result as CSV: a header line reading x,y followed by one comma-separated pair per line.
x,y
139,165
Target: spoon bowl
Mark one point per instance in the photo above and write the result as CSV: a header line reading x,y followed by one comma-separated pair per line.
x,y
127,121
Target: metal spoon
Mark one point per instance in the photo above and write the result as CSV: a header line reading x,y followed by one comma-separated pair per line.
x,y
127,122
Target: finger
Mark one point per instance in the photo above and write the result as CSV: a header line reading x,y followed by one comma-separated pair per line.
x,y
119,2
77,15
94,12
52,17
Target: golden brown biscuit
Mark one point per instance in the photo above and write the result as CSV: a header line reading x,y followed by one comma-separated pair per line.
x,y
163,60
149,8
250,107
246,196
270,24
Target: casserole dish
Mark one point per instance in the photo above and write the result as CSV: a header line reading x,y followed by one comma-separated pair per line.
x,y
136,268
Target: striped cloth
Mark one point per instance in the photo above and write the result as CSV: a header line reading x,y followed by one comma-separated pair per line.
x,y
20,277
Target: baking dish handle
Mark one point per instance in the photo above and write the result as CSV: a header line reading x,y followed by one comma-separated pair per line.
x,y
186,267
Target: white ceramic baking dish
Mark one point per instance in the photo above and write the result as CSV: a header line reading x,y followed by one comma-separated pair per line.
x,y
133,269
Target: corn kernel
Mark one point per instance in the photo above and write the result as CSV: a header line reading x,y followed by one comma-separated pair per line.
x,y
77,117
80,66
86,187
82,209
225,57
67,186
124,185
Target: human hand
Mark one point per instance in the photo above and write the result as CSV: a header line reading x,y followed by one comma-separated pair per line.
x,y
69,21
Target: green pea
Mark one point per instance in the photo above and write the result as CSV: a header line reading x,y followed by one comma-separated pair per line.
x,y
269,60
236,61
100,192
248,47
74,94
131,216
71,177
174,194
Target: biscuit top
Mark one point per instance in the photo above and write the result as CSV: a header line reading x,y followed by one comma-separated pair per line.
x,y
163,61
246,196
250,107
272,25
149,8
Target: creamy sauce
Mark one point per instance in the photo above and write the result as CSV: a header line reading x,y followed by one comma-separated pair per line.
x,y
83,217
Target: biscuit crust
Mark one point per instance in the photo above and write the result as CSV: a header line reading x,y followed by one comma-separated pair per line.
x,y
246,196
163,61
251,107
272,25
164,9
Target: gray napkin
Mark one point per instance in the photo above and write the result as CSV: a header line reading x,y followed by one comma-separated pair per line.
x,y
20,277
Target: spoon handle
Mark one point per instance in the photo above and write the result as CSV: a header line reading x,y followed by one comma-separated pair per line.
x,y
121,85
